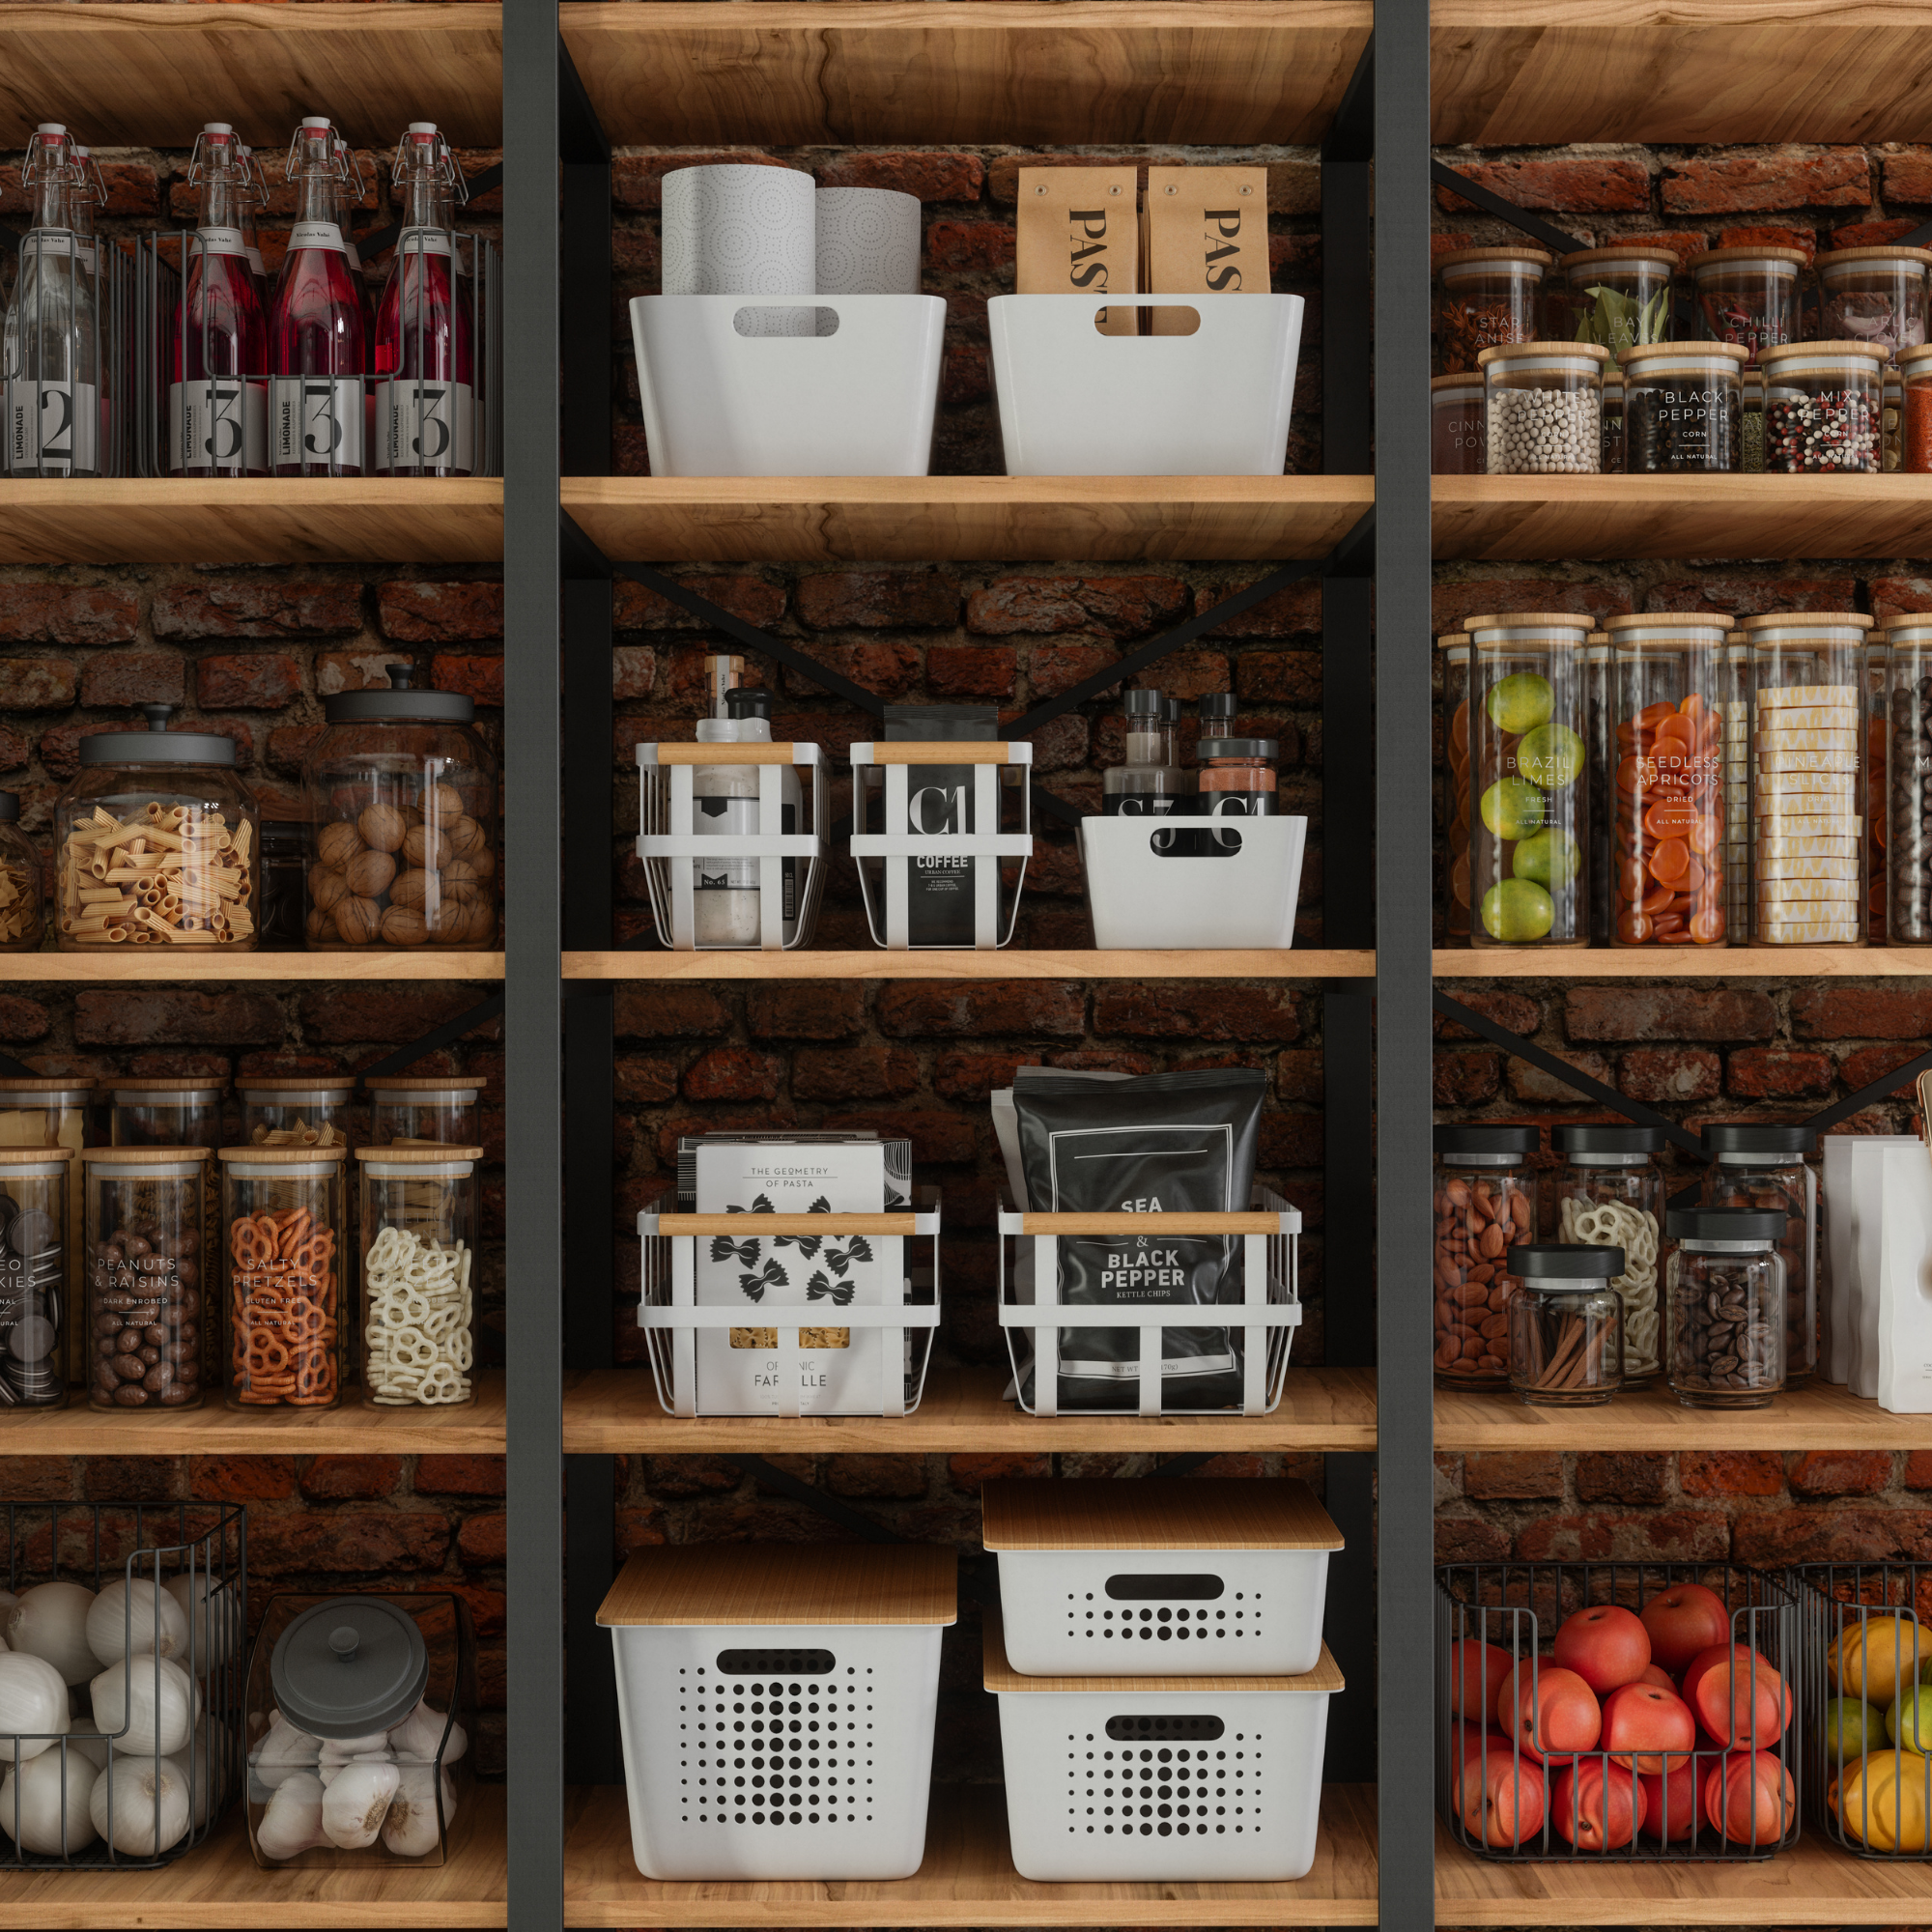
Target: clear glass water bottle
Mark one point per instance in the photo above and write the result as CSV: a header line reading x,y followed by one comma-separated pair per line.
x,y
52,345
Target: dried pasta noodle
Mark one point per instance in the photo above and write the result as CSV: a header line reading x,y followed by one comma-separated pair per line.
x,y
19,898
164,875
1614,1225
416,1335
301,1134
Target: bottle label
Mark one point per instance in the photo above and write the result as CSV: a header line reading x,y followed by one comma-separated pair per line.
x,y
426,425
219,423
422,241
53,427
317,420
220,241
316,235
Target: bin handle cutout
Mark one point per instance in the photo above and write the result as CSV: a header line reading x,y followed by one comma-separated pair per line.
x,y
1185,321
1171,841
776,1663
1152,1730
1138,1588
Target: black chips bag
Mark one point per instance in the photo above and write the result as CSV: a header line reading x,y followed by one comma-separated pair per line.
x,y
1167,1143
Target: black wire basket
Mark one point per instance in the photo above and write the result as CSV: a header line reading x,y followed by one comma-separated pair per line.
x,y
1572,1810
201,1549
1866,1691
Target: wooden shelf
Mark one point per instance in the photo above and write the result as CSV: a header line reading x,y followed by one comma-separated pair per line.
x,y
967,1880
1821,1416
219,1431
187,962
1529,72
263,519
926,518
221,1885
1813,1884
138,78
1682,962
1040,71
1012,963
616,1412
1521,519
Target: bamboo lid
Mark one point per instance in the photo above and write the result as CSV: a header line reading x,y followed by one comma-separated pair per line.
x,y
1155,1513
748,1584
297,1083
425,1083
1592,352
413,1153
1726,257
1834,258
141,1156
1000,1676
1531,620
46,1083
15,1156
1808,621
1782,353
283,1156
1469,258
1666,620
1654,352
208,1083
1636,251
1470,378
1456,640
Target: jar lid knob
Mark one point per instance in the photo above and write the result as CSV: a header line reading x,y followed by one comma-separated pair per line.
x,y
157,715
401,675
344,1642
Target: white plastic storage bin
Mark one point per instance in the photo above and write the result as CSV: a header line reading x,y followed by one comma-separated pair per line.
x,y
856,403
1267,1314
1165,1779
784,1382
777,1705
1150,879
1207,1575
1074,402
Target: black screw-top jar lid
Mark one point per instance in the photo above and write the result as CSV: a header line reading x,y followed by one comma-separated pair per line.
x,y
1237,748
400,702
158,744
1601,1138
748,701
1215,706
348,1667
1145,705
1737,1137
1468,1139
10,806
1565,1260
1724,1224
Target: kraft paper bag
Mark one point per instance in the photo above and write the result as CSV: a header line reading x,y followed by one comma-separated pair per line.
x,y
1079,233
1905,1281
1835,1316
1206,234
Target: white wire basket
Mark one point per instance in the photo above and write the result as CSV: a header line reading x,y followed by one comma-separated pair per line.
x,y
1267,1314
886,860
790,865
788,1346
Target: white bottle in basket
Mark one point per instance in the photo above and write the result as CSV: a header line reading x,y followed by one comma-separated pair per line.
x,y
724,800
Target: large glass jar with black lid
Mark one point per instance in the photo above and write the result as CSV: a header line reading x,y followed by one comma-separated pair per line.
x,y
1485,297
1619,297
1484,1208
155,843
1566,1326
1684,409
21,901
1908,782
1749,295
1530,826
1873,295
1725,1290
1610,1193
36,1309
1767,1168
403,804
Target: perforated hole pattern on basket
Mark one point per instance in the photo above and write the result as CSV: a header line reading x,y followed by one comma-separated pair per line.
x,y
777,1738
1164,1777
1092,1616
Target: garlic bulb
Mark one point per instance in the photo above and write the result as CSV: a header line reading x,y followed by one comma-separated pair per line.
x,y
33,1705
292,1821
149,1800
356,1803
282,1753
39,1788
154,1699
411,1828
214,1619
339,1750
50,1621
84,1740
135,1618
329,1769
416,1738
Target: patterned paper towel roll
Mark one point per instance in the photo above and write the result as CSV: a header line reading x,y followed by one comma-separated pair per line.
x,y
741,230
867,241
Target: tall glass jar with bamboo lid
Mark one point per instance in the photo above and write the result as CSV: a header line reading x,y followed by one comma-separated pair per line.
x,y
1749,295
147,1275
284,1298
1529,828
52,1111
295,1109
1875,293
1666,674
418,1238
1906,785
1453,767
425,1109
36,1309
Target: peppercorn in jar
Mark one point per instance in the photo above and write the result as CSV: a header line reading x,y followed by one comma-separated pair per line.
x,y
1684,409
1542,408
1820,408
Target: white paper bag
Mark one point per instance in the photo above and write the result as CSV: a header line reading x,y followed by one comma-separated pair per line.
x,y
1835,1316
1867,1207
1905,1281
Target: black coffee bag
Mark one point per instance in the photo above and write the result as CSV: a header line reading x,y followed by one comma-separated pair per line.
x,y
939,890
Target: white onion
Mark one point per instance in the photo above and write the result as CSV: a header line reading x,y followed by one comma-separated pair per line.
x,y
417,1736
33,1705
84,1738
153,1698
355,1805
204,1764
214,1618
150,1800
50,1621
412,1829
38,1787
284,1752
292,1821
135,1618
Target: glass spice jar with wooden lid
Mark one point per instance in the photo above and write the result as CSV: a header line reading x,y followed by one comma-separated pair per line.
x,y
1822,403
1749,295
422,1109
1915,369
1455,442
295,1109
1684,409
1542,408
1619,297
1876,294
1485,297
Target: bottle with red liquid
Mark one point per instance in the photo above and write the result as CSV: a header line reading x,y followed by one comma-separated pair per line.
x,y
349,192
252,200
218,362
424,354
317,346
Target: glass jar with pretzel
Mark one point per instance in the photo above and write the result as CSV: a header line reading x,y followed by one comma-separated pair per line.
x,y
282,1256
418,1240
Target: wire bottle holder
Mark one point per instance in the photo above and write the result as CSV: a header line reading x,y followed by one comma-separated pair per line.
x,y
1516,1608
888,861
1267,1314
96,1544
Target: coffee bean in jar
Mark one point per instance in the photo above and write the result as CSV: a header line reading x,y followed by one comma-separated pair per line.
x,y
1484,1207
144,1262
1767,1167
1724,1307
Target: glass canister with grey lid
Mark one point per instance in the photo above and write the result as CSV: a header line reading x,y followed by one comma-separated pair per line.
x,y
1610,1193
1566,1326
34,1315
1724,1303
